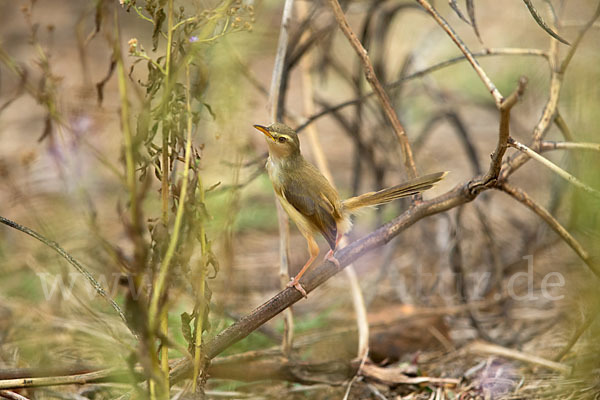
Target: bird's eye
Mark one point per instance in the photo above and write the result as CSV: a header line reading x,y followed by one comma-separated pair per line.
x,y
281,139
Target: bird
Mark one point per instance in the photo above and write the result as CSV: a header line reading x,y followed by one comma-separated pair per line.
x,y
312,202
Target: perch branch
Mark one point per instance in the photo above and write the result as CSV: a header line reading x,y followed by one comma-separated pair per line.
x,y
319,274
377,87
461,194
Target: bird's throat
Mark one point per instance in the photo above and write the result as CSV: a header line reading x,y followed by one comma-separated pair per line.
x,y
278,166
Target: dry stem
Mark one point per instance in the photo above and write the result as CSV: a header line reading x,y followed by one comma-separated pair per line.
x,y
377,88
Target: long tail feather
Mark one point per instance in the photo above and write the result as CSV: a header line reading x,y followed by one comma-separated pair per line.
x,y
384,196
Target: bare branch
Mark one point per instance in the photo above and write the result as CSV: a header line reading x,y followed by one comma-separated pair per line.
x,y
522,197
377,88
553,167
482,75
82,378
319,274
582,32
491,176
423,72
552,145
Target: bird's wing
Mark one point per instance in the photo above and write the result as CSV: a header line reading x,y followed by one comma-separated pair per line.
x,y
314,206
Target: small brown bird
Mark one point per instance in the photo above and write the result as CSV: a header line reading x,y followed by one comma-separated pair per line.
x,y
312,202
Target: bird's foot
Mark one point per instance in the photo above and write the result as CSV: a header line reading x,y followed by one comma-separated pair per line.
x,y
294,282
329,256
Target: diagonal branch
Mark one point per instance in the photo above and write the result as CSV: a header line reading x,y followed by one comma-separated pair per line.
x,y
319,274
524,198
377,87
459,195
498,99
553,167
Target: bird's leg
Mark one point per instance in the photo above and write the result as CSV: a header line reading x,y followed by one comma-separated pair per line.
x,y
329,256
313,249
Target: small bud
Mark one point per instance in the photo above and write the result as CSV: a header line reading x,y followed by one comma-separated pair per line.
x,y
133,43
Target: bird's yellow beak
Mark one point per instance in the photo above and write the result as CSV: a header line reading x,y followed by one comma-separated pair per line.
x,y
264,130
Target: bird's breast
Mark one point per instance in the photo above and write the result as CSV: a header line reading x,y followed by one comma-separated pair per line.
x,y
275,174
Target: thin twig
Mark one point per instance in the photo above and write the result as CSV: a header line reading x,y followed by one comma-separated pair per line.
x,y
488,348
522,197
552,145
7,394
423,72
589,320
511,164
491,177
553,167
498,99
582,32
280,59
57,380
78,266
377,88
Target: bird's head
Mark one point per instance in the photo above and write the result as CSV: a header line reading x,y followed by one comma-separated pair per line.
x,y
282,140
